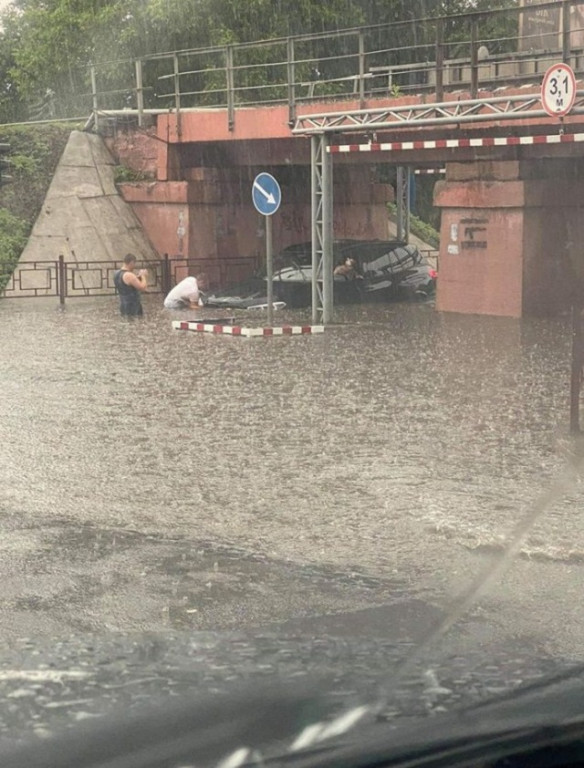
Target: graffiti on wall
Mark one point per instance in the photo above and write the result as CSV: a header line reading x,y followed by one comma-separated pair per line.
x,y
474,234
180,233
346,224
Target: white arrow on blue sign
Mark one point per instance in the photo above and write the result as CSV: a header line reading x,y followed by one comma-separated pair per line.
x,y
266,194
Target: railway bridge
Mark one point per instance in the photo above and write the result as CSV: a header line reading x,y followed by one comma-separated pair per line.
x,y
338,116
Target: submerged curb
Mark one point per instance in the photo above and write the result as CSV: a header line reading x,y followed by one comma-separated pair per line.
x,y
238,330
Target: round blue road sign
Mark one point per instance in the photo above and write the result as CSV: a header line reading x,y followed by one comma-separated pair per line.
x,y
266,194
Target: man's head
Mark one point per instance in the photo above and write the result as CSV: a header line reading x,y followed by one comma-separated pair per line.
x,y
129,261
202,281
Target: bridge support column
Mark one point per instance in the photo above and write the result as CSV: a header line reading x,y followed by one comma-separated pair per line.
x,y
322,230
403,200
504,235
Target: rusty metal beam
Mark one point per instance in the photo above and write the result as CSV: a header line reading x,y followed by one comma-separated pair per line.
x,y
439,114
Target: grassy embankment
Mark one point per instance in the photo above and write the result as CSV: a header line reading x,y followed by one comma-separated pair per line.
x,y
34,154
419,228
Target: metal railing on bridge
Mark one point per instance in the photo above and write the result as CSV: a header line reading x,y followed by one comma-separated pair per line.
x,y
432,56
466,52
84,279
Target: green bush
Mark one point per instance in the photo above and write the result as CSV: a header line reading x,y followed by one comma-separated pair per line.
x,y
420,228
34,154
125,175
13,237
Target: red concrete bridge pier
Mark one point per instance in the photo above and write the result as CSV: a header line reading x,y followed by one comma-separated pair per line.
x,y
512,236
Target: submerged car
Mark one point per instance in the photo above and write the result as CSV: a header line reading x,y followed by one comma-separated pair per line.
x,y
377,270
246,295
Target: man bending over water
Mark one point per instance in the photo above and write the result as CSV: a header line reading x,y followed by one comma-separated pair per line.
x,y
186,294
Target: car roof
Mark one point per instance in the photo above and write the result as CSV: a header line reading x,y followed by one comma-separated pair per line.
x,y
343,246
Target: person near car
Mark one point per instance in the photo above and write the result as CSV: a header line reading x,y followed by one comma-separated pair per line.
x,y
130,285
185,295
348,269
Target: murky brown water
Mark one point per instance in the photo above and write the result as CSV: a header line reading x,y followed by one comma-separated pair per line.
x,y
355,447
307,494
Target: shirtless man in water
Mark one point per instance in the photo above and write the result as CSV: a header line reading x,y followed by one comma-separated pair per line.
x,y
130,285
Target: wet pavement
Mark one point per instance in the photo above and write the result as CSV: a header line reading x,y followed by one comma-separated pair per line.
x,y
89,578
339,486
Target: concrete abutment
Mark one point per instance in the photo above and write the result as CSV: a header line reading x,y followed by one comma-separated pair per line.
x,y
512,236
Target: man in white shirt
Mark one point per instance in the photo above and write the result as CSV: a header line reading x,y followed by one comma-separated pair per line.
x,y
184,295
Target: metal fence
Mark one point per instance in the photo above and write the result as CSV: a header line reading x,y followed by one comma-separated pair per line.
x,y
430,55
84,279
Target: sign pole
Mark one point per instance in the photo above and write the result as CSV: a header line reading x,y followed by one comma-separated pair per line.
x,y
577,360
269,270
267,196
558,94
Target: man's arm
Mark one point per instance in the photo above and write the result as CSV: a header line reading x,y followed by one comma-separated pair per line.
x,y
192,300
139,281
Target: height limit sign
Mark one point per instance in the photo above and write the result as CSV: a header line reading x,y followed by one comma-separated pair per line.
x,y
558,90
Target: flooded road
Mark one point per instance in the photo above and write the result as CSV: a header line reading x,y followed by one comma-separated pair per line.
x,y
157,479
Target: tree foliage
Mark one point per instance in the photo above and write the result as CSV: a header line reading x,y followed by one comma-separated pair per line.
x,y
13,236
34,154
47,46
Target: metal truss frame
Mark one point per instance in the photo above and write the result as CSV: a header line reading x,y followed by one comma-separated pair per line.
x,y
322,224
415,115
322,229
403,203
322,126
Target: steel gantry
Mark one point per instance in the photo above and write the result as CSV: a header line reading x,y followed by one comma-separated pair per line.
x,y
322,229
322,223
321,127
403,199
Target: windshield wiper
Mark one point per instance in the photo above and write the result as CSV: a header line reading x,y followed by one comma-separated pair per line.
x,y
491,573
545,715
536,745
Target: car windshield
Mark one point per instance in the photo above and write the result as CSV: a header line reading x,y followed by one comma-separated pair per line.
x,y
290,354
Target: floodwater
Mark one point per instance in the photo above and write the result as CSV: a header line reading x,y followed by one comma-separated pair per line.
x,y
394,447
335,491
